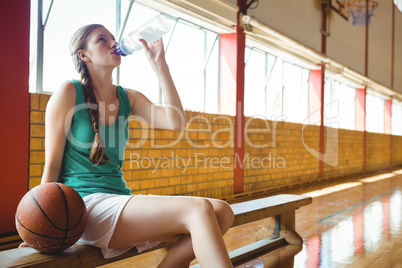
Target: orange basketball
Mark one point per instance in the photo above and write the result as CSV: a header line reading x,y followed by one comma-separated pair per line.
x,y
51,217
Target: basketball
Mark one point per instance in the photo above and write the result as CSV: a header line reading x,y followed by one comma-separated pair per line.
x,y
51,217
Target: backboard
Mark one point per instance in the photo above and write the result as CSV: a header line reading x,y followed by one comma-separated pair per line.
x,y
340,7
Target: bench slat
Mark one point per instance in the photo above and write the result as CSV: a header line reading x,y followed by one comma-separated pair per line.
x,y
243,253
262,208
75,256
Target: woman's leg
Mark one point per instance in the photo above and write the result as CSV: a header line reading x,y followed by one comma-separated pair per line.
x,y
157,218
182,251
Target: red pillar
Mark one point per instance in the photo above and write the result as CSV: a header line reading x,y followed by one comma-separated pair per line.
x,y
360,118
231,94
14,108
240,120
314,97
387,116
322,127
388,125
360,109
316,109
227,73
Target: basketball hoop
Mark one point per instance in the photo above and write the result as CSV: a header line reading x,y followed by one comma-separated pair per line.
x,y
357,8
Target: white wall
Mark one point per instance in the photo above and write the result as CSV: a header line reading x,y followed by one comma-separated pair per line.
x,y
297,19
346,43
398,52
380,44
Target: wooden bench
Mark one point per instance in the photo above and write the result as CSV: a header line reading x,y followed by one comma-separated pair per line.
x,y
278,212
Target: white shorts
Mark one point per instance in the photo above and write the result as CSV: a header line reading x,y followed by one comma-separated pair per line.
x,y
103,212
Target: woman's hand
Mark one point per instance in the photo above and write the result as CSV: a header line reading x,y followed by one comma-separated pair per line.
x,y
155,53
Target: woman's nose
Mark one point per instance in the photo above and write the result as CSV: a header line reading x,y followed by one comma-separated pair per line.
x,y
114,43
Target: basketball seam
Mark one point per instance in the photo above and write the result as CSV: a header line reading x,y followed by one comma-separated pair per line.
x,y
45,236
79,220
67,214
51,222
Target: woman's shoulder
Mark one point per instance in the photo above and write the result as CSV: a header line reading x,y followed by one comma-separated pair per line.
x,y
64,95
134,95
67,88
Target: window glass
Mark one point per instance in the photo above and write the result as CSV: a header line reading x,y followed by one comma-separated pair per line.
x,y
187,63
396,118
135,72
254,83
64,19
212,74
274,88
194,68
292,93
339,105
305,95
375,114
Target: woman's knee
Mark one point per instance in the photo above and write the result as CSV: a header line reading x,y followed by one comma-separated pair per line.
x,y
201,209
224,213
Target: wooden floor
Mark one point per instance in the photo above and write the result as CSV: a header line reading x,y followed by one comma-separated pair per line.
x,y
355,223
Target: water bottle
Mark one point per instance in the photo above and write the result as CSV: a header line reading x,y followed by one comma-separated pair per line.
x,y
149,31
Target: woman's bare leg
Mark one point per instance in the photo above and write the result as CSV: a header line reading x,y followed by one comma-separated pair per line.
x,y
157,218
182,251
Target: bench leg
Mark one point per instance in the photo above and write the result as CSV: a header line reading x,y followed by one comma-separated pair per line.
x,y
281,225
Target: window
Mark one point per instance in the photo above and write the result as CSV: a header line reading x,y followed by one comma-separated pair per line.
x,y
274,88
374,114
254,83
64,19
194,68
339,105
295,93
396,118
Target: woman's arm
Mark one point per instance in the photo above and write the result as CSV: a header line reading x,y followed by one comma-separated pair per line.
x,y
171,115
59,112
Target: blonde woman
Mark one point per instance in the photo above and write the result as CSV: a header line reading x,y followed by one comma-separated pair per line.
x,y
86,133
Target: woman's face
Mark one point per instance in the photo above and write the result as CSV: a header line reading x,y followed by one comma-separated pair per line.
x,y
101,49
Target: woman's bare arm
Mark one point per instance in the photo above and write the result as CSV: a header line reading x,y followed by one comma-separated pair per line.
x,y
59,112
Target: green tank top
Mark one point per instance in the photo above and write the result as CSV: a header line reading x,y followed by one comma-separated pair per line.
x,y
77,171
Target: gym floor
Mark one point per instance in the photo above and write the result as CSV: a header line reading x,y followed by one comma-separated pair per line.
x,y
354,223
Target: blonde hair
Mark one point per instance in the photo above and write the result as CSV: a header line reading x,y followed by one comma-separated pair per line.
x,y
79,42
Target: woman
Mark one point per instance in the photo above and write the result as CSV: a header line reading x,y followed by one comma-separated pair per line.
x,y
94,112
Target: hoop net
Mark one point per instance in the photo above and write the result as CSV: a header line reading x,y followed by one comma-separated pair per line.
x,y
357,8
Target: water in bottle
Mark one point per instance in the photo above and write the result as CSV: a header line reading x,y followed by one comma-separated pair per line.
x,y
149,31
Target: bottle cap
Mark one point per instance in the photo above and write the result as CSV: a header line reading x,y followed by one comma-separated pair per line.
x,y
118,50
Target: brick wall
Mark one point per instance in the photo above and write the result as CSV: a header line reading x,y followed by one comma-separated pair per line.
x,y
185,162
37,107
378,151
349,154
200,160
275,156
396,150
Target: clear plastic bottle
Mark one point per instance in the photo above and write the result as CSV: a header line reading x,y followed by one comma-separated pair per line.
x,y
149,31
